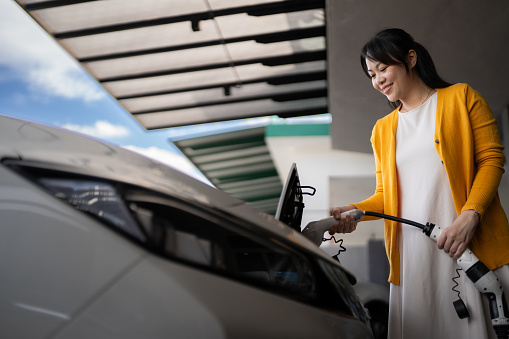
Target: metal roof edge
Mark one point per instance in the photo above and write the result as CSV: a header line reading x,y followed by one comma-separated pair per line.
x,y
290,130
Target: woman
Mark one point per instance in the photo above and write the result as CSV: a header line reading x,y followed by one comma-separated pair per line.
x,y
438,159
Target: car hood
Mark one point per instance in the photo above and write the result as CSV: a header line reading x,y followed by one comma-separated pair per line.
x,y
55,148
43,144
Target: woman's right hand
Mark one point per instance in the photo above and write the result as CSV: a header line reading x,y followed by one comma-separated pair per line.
x,y
346,224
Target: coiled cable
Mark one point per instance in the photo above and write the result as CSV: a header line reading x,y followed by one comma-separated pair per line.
x,y
456,284
341,247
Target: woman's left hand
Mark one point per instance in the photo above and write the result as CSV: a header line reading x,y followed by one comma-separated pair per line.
x,y
455,238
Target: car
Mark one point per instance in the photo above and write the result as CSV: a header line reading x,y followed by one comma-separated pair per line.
x,y
100,242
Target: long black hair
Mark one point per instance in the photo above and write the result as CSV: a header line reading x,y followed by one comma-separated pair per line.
x,y
391,47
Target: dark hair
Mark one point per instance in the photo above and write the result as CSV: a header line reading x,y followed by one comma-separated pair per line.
x,y
391,47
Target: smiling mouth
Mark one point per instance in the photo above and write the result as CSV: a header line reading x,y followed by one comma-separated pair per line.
x,y
386,88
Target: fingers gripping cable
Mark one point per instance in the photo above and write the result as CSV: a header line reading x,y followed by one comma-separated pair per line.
x,y
484,279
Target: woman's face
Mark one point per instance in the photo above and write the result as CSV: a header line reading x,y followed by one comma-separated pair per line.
x,y
391,80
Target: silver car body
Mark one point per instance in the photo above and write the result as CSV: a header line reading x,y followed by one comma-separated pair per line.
x,y
64,274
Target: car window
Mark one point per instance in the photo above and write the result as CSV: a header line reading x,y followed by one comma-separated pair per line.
x,y
210,241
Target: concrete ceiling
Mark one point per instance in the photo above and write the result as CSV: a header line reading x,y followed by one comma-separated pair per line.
x,y
468,40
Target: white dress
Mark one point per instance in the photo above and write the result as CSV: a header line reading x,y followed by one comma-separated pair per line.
x,y
422,305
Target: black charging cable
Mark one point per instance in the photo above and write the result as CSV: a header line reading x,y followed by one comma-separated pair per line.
x,y
341,247
459,305
390,217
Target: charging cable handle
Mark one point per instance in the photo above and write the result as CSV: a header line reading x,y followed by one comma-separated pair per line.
x,y
315,229
484,280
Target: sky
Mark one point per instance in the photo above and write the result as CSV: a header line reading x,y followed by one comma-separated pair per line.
x,y
40,82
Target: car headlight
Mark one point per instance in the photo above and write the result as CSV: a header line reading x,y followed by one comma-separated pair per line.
x,y
96,198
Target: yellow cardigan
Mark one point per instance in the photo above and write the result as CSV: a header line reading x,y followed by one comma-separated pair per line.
x,y
467,141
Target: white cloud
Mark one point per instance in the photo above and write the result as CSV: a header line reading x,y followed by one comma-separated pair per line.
x,y
168,158
101,129
32,56
63,82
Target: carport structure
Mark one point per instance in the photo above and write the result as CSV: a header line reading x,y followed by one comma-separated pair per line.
x,y
184,62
